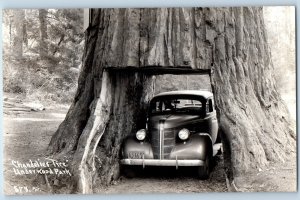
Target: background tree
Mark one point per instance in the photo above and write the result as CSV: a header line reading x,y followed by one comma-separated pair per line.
x,y
281,37
49,41
19,23
43,33
110,99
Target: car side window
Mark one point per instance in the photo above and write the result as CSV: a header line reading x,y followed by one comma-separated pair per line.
x,y
176,105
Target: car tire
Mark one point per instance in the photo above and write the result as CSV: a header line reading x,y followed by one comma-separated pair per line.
x,y
129,171
204,171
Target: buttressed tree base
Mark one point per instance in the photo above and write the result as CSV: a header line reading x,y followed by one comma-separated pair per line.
x,y
110,104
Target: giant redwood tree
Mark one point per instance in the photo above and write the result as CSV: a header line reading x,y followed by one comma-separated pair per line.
x,y
125,47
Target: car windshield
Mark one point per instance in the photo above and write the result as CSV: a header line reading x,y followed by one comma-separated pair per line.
x,y
176,105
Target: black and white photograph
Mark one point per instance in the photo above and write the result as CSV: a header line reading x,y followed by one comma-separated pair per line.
x,y
149,100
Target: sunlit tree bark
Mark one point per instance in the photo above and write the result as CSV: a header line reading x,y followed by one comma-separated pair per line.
x,y
231,42
43,46
19,20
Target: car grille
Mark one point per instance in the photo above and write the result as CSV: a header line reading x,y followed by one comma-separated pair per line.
x,y
162,144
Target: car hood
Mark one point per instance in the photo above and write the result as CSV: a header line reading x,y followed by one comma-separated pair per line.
x,y
174,120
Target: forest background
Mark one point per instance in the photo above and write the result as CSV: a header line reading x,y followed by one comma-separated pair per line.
x,y
42,52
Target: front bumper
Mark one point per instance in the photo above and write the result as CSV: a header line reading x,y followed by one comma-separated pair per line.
x,y
157,162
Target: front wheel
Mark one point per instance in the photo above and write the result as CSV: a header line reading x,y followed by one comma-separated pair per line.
x,y
204,171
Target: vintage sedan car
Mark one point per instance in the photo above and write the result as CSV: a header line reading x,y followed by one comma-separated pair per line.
x,y
181,130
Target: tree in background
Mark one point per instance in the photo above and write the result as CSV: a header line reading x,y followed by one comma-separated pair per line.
x,y
47,44
281,37
18,34
43,46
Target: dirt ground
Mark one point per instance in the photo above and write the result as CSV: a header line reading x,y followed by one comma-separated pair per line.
x,y
277,177
170,180
27,134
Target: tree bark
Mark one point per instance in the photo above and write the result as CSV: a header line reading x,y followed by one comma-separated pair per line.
x,y
19,21
109,104
43,46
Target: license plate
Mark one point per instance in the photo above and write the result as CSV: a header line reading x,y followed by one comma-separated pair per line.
x,y
135,155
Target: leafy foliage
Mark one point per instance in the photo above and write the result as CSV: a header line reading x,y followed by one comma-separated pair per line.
x,y
52,76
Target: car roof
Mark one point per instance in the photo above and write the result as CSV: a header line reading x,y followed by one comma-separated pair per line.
x,y
204,93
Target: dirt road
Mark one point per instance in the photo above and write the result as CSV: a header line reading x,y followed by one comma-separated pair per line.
x,y
170,180
27,134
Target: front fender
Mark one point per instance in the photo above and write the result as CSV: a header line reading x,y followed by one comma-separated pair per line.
x,y
131,144
198,146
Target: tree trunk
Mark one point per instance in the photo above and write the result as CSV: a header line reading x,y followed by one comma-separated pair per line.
x,y
109,104
43,47
19,21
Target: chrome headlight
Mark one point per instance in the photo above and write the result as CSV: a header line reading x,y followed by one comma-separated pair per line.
x,y
184,134
141,134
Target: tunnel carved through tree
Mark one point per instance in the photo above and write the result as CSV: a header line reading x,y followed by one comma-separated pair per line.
x,y
108,105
